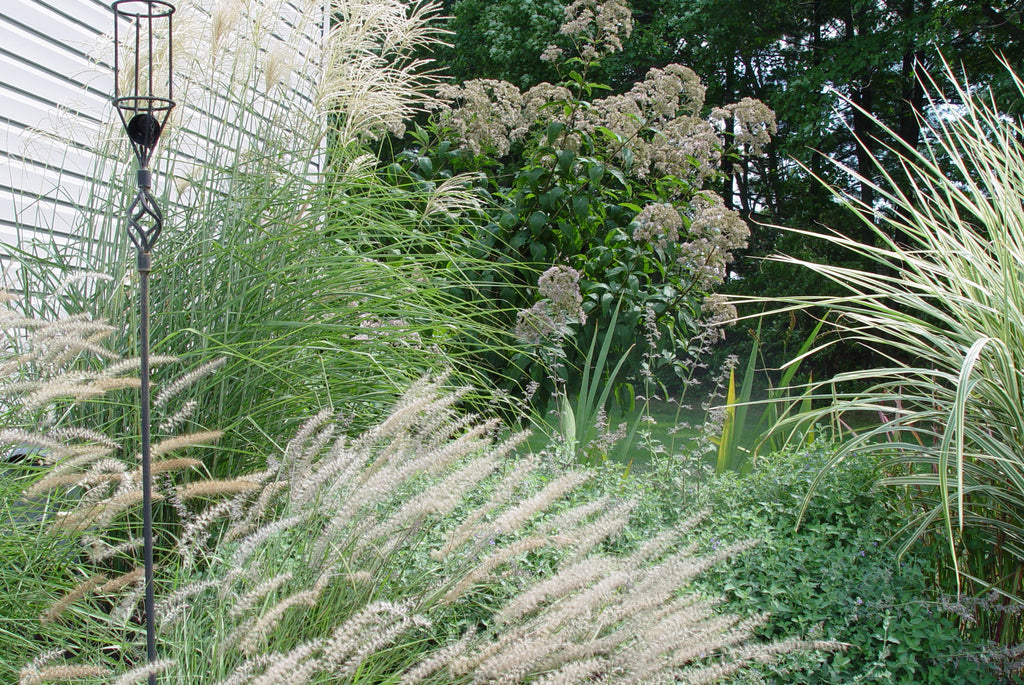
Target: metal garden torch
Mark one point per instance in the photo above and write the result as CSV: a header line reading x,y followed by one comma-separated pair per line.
x,y
144,97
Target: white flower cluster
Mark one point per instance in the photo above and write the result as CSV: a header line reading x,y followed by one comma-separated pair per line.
x,y
664,92
658,223
715,231
484,113
561,304
685,147
754,123
654,125
718,312
597,27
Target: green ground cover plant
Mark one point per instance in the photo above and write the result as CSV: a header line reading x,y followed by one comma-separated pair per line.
x,y
838,577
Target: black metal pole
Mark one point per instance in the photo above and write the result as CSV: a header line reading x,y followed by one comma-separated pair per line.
x,y
147,482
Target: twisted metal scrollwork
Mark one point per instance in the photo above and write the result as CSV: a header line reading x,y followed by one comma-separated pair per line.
x,y
145,221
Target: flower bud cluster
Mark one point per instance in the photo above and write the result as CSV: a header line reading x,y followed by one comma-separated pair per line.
x,y
597,28
754,123
561,304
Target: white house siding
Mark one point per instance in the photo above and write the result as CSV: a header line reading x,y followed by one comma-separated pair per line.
x,y
55,89
53,100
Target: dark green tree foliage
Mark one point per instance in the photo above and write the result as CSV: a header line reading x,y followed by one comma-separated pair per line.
x,y
501,40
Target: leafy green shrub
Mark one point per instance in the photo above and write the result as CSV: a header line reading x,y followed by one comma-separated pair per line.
x,y
609,195
836,577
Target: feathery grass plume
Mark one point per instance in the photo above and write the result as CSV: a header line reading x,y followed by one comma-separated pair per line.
x,y
50,448
188,440
173,422
260,507
246,601
137,675
113,585
608,525
76,593
83,434
216,488
133,364
186,381
193,539
309,441
178,464
491,562
371,628
296,666
251,544
509,484
516,517
99,550
437,500
53,482
62,674
245,671
251,634
371,75
175,605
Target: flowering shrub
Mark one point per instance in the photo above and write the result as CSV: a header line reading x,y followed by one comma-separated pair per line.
x,y
610,189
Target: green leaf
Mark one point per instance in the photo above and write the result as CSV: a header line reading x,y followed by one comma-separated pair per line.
x,y
725,443
532,176
565,160
538,251
581,206
554,130
537,221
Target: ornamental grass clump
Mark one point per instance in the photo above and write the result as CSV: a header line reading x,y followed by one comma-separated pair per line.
x,y
944,306
420,551
283,252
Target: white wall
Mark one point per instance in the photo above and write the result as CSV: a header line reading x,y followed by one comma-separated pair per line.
x,y
55,89
53,100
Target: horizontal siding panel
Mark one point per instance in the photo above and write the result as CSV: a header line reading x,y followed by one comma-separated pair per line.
x,y
39,218
38,182
32,146
49,89
94,15
53,41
